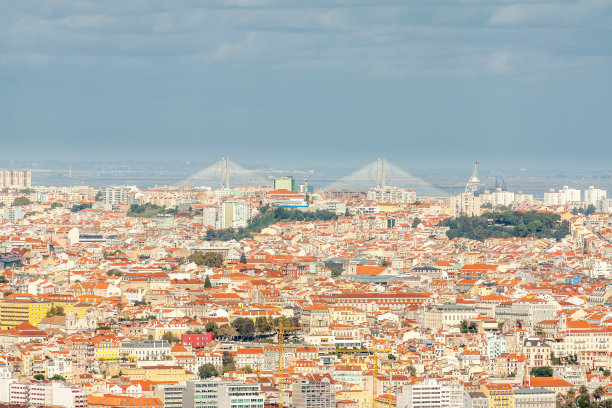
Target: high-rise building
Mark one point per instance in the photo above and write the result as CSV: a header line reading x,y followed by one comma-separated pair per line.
x,y
593,195
235,214
222,394
499,198
45,394
391,195
119,194
427,394
564,196
465,204
171,395
15,179
314,391
284,183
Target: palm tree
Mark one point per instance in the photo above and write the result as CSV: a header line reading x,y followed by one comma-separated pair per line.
x,y
598,393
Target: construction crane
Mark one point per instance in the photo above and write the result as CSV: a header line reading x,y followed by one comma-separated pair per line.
x,y
375,352
281,358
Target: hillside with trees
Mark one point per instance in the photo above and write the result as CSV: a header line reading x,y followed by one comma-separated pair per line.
x,y
267,217
508,224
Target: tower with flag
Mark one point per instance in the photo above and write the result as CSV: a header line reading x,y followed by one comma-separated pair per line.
x,y
474,182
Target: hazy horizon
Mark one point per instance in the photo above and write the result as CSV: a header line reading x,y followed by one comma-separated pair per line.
x,y
425,84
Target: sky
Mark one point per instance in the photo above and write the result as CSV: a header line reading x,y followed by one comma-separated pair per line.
x,y
425,83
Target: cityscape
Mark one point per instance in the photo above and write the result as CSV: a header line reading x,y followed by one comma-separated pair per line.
x,y
305,204
242,294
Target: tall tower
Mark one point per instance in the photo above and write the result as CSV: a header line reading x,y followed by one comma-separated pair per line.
x,y
381,175
474,182
225,172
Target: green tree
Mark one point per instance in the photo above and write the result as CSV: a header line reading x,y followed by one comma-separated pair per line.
x,y
416,222
228,362
335,272
19,201
114,272
210,259
99,196
227,332
170,337
39,377
211,327
243,258
57,377
56,205
544,371
56,311
391,357
207,370
207,283
80,207
465,328
262,325
411,371
244,326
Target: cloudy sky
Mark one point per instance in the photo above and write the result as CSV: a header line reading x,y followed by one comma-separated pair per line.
x,y
422,82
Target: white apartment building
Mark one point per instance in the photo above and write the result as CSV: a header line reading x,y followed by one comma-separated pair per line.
x,y
521,198
562,197
15,179
575,341
499,197
235,214
46,394
211,216
427,394
146,350
465,204
604,205
222,394
313,392
391,195
593,195
119,194
447,315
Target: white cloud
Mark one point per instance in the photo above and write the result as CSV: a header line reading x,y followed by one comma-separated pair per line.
x,y
498,63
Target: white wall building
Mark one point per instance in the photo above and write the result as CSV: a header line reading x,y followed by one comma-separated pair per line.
x,y
564,196
593,195
391,195
499,197
465,204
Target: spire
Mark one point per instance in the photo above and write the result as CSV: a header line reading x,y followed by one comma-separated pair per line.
x,y
474,182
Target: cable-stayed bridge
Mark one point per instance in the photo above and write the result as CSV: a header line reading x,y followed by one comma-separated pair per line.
x,y
226,173
382,173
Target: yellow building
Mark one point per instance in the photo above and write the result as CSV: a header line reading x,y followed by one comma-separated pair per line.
x,y
158,373
106,348
499,395
16,311
347,314
24,307
158,329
